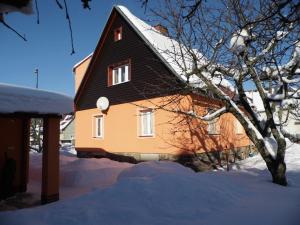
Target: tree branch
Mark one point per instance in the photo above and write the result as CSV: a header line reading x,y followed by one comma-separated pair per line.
x,y
37,12
10,28
70,27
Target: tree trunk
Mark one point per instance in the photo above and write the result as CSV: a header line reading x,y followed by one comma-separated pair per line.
x,y
278,169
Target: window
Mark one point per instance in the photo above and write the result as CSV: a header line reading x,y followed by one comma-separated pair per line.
x,y
98,125
213,126
238,127
119,73
146,122
118,34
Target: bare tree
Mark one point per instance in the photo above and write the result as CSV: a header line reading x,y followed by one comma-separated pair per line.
x,y
36,134
26,7
221,47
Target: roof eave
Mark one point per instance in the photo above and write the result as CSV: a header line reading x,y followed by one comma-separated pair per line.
x,y
92,58
82,61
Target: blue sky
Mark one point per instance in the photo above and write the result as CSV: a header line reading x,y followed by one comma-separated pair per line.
x,y
48,47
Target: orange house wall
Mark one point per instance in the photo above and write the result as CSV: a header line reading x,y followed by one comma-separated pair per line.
x,y
173,133
79,72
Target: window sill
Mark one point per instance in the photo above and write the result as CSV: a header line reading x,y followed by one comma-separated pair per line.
x,y
146,136
100,137
120,83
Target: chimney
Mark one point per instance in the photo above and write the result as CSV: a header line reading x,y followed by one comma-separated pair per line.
x,y
162,29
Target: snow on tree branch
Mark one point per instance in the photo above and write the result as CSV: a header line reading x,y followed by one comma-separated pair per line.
x,y
214,115
291,81
249,46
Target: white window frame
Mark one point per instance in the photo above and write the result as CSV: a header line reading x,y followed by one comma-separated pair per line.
x,y
149,120
118,34
96,126
213,127
117,78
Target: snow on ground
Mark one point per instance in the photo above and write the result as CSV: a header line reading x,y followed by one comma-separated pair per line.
x,y
77,176
167,193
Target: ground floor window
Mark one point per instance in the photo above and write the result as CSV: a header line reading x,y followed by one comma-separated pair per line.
x,y
146,122
213,126
98,125
238,127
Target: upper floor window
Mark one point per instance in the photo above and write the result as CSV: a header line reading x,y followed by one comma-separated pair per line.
x,y
119,73
118,34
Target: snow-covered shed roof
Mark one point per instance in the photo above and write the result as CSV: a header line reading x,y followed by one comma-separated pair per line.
x,y
16,99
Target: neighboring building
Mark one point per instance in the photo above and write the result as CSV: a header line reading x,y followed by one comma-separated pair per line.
x,y
125,68
67,130
289,122
18,105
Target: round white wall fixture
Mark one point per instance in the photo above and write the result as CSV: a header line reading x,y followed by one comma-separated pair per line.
x,y
102,103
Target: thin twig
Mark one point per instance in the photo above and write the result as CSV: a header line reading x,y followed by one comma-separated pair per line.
x,y
70,27
144,4
12,29
37,12
58,4
193,9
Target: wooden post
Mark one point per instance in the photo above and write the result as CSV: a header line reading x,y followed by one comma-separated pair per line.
x,y
50,171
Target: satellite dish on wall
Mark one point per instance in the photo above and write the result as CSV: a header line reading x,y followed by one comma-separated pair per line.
x,y
102,103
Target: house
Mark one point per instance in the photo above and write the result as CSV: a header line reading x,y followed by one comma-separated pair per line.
x,y
18,105
67,130
131,77
290,122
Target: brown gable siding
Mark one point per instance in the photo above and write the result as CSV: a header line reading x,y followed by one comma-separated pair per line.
x,y
147,71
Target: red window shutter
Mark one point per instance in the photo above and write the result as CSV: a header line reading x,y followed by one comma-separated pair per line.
x,y
129,69
109,76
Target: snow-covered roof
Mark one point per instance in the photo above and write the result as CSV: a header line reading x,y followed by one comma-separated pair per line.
x,y
83,60
16,99
66,121
169,50
161,44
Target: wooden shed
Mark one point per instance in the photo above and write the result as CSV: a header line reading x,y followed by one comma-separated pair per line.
x,y
18,105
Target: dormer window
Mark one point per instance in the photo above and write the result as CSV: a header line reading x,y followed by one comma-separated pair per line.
x,y
119,73
118,34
